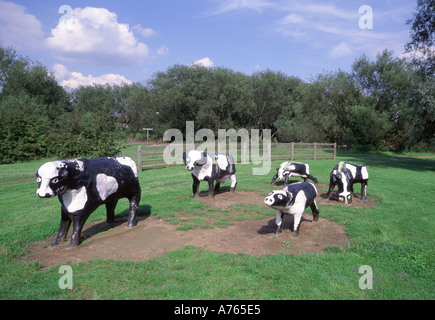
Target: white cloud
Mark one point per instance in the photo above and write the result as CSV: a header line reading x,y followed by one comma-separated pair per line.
x,y
18,28
94,35
163,51
293,18
205,62
341,50
146,32
233,5
73,80
331,26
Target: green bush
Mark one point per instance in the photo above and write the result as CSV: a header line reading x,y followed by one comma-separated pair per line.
x,y
22,129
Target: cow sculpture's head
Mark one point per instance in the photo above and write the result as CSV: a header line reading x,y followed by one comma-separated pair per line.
x,y
51,178
342,178
194,159
282,168
278,199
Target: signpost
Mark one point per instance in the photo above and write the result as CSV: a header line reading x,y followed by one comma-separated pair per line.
x,y
147,130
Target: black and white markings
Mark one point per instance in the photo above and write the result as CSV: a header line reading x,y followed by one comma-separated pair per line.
x,y
293,199
210,167
82,185
289,169
345,175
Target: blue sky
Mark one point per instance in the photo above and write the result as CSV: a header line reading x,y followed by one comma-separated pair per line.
x,y
127,41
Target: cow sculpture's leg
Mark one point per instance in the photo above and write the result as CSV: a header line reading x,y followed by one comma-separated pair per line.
x,y
364,191
210,187
312,178
217,187
279,216
330,190
78,224
286,180
233,183
134,204
297,224
195,186
110,210
274,178
65,223
315,211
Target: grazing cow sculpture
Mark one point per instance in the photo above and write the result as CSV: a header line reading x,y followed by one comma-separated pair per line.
x,y
293,199
210,167
82,185
345,175
293,169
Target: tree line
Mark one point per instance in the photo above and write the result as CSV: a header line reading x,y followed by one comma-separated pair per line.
x,y
383,104
380,105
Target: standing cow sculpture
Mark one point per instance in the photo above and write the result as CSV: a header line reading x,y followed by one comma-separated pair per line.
x,y
293,169
293,199
210,167
82,185
345,175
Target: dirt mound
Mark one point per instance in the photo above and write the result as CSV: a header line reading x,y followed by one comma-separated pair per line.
x,y
153,237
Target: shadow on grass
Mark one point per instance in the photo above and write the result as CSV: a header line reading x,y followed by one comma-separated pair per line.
x,y
377,159
143,213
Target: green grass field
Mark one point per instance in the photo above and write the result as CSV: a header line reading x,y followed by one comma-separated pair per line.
x,y
395,238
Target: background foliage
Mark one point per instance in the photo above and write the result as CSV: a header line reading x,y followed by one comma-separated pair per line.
x,y
384,104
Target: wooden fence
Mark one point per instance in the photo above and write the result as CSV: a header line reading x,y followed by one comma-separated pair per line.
x,y
149,157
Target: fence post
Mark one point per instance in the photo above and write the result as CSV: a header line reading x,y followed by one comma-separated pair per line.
x,y
139,158
335,149
292,151
314,150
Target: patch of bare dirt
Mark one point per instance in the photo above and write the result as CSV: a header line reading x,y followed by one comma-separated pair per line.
x,y
153,237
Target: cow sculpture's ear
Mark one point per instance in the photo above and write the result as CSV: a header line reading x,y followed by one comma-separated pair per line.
x,y
184,157
63,170
289,195
203,160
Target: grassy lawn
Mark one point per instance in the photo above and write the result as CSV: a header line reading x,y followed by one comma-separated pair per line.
x,y
396,238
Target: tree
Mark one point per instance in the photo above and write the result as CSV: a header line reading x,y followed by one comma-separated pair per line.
x,y
139,112
386,84
23,129
422,44
273,94
21,76
30,101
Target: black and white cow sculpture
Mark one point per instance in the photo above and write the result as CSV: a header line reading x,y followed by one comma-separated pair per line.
x,y
345,175
82,185
210,167
293,199
293,169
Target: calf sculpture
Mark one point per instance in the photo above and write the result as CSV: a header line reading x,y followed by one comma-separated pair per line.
x,y
293,199
210,167
82,185
293,169
345,175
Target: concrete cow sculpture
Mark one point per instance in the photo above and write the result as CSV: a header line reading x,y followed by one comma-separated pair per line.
x,y
345,175
293,199
82,185
210,167
293,169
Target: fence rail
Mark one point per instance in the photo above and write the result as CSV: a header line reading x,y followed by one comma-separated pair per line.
x,y
149,157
